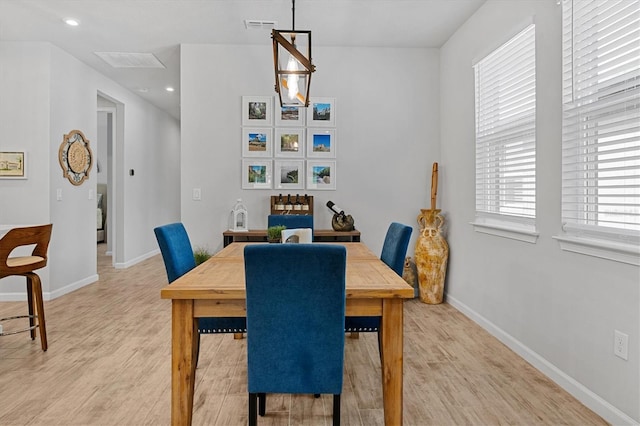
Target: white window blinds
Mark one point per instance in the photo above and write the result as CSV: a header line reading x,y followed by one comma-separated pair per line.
x,y
505,89
601,119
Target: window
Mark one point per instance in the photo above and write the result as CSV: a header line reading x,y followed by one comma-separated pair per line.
x,y
505,89
601,122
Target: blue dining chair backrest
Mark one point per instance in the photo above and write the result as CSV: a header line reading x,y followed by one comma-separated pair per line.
x,y
394,250
295,317
176,250
291,221
177,254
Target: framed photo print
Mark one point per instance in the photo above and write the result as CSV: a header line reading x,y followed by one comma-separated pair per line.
x,y
256,174
289,142
256,142
289,174
290,115
321,174
321,112
321,143
257,110
13,165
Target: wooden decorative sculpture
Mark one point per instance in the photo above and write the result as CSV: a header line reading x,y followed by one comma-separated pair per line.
x,y
432,250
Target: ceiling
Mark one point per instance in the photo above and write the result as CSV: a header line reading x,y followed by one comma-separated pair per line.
x,y
160,26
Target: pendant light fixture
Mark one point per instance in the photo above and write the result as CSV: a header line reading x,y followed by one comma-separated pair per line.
x,y
292,63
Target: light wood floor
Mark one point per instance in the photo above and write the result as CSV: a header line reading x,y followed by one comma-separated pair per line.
x,y
108,363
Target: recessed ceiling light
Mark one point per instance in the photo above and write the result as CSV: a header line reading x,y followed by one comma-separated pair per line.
x,y
169,89
72,22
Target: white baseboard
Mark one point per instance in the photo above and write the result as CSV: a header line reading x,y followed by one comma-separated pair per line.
x,y
50,295
604,409
138,259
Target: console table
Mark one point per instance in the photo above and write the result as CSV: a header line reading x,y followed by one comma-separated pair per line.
x,y
319,235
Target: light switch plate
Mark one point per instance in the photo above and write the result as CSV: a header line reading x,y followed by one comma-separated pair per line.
x,y
197,194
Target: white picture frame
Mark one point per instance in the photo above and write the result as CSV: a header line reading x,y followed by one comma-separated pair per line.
x,y
257,142
289,142
321,174
321,112
321,143
257,173
289,116
288,174
257,111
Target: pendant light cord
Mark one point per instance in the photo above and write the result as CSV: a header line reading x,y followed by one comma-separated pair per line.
x,y
293,15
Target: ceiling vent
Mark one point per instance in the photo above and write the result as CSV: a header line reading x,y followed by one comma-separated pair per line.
x,y
130,60
256,24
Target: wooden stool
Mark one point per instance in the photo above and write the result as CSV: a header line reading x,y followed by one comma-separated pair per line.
x,y
24,266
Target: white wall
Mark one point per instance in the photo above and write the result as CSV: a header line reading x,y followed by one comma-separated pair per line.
x,y
45,94
557,309
24,126
387,103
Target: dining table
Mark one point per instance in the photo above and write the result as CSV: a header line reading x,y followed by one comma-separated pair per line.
x,y
216,288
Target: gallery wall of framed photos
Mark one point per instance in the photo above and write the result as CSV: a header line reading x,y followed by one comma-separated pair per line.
x,y
288,148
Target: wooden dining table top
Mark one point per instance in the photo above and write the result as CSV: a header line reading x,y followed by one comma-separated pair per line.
x,y
222,276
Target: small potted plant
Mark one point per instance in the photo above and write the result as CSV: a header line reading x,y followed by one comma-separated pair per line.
x,y
201,254
274,233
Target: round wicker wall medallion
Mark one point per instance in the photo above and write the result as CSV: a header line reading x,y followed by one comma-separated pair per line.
x,y
75,157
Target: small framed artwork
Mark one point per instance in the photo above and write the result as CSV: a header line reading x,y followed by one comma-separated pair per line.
x,y
256,174
257,110
321,143
321,112
290,116
289,174
256,142
321,174
13,165
289,142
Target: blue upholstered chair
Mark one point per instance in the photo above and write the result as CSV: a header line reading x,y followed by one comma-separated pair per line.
x,y
177,254
295,321
290,220
393,254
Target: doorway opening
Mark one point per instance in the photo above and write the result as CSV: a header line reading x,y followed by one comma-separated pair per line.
x,y
109,121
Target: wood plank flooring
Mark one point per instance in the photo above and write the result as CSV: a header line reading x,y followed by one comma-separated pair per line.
x,y
108,363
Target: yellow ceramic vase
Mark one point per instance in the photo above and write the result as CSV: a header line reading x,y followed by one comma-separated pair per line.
x,y
431,255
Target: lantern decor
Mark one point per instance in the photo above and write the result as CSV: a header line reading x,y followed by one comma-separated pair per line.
x,y
239,217
292,63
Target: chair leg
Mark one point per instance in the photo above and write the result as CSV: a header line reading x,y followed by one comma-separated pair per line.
x,y
197,348
32,320
262,403
336,410
253,409
37,294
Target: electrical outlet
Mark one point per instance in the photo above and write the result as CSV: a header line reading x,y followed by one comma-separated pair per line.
x,y
621,345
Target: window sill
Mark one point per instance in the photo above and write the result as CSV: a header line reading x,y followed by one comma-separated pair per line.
x,y
513,232
619,252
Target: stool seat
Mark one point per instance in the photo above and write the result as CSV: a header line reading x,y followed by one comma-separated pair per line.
x,y
38,237
13,262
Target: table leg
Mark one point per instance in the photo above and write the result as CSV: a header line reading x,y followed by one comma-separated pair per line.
x,y
183,361
391,335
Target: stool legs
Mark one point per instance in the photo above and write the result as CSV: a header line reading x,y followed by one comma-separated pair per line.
x,y
32,320
34,283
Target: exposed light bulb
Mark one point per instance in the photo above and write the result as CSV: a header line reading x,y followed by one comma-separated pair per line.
x,y
292,79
